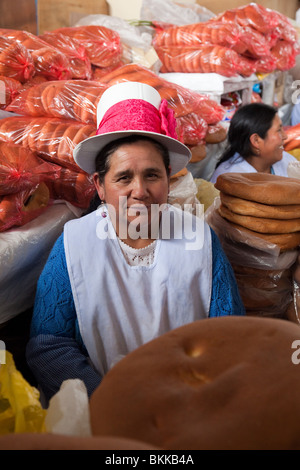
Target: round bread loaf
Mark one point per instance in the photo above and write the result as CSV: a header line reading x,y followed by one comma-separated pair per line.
x,y
285,241
260,187
256,209
261,224
220,383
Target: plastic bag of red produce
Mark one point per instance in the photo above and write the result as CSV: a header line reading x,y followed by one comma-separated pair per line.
x,y
293,137
75,187
243,40
254,15
284,54
80,64
9,89
103,45
15,60
52,138
205,58
68,99
21,169
48,61
19,208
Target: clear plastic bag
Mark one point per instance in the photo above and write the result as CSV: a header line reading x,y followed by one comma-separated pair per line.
x,y
136,40
15,60
11,88
174,13
80,64
75,187
205,58
103,45
48,61
21,169
263,272
52,138
19,208
67,99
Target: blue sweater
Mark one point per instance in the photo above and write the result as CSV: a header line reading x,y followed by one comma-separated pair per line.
x,y
56,351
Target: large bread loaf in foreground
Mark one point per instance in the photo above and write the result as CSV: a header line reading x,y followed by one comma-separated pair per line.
x,y
220,383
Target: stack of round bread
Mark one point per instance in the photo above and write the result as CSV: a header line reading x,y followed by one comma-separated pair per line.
x,y
264,208
220,383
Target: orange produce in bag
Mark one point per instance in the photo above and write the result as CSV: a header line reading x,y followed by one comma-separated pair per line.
x,y
48,61
9,89
52,138
20,208
68,99
15,60
21,169
80,64
103,45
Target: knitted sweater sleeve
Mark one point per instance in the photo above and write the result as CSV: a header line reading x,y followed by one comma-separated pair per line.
x,y
225,296
55,351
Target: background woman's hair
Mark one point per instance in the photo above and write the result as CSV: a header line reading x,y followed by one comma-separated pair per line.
x,y
253,118
103,160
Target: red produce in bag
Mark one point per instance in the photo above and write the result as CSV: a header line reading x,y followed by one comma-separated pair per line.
x,y
52,138
21,169
256,16
15,60
48,61
72,186
9,89
284,53
68,99
205,58
191,129
293,137
103,45
20,208
80,64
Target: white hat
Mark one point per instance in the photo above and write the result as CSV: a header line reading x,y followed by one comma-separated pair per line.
x,y
132,108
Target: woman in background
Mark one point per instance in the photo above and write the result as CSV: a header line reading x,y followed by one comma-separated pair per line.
x,y
255,143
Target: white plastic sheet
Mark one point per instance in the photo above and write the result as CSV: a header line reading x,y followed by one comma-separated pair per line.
x,y
23,253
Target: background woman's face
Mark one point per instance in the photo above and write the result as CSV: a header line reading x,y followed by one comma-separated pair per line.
x,y
137,179
271,146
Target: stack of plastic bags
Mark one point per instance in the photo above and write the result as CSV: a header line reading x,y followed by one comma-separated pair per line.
x,y
242,41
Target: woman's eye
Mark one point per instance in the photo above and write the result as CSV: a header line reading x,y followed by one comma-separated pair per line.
x,y
123,178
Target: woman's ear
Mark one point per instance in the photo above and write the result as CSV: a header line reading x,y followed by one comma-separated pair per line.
x,y
99,186
255,141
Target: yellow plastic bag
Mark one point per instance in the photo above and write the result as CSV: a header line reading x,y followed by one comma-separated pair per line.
x,y
20,408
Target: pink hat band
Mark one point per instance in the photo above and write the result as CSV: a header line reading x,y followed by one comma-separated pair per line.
x,y
139,115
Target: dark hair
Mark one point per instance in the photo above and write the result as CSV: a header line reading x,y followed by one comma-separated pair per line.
x,y
253,118
103,159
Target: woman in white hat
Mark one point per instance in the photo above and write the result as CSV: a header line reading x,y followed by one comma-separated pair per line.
x,y
134,268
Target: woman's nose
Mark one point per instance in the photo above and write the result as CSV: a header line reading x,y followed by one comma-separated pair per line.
x,y
139,188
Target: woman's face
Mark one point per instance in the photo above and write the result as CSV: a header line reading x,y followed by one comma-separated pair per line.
x,y
137,178
271,147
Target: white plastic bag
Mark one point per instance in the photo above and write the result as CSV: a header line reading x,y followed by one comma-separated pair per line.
x,y
68,412
167,11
